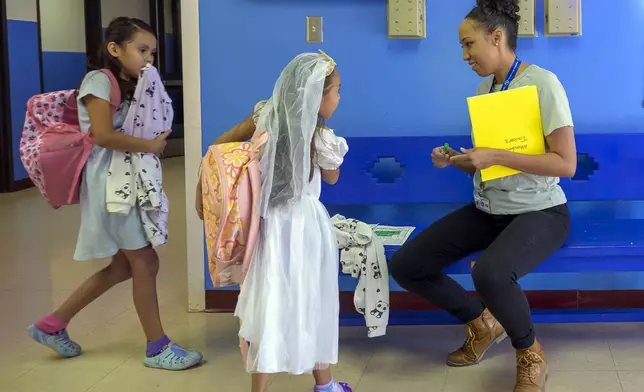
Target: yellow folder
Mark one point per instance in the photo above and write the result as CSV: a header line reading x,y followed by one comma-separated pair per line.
x,y
507,120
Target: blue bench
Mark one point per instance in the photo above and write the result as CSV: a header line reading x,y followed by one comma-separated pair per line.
x,y
597,276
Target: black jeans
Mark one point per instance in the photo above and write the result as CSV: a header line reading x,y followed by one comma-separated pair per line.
x,y
514,245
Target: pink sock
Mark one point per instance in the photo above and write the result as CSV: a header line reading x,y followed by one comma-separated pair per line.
x,y
51,324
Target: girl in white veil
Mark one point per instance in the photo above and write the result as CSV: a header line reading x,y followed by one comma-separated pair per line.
x,y
289,303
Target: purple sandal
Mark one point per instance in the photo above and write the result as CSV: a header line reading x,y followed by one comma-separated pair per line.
x,y
334,387
345,387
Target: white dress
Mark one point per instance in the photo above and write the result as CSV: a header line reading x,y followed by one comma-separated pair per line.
x,y
289,303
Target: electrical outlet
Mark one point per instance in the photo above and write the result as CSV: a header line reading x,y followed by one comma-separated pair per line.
x,y
562,17
314,33
528,13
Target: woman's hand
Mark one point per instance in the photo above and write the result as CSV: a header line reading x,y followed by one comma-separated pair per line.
x,y
479,158
440,158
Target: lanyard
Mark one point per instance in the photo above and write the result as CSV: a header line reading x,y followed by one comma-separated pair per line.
x,y
509,78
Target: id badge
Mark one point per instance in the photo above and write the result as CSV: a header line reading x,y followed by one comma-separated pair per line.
x,y
482,203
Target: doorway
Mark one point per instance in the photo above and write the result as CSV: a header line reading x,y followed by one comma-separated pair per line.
x,y
165,18
6,140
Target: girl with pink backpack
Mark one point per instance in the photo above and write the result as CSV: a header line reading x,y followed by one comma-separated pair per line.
x,y
129,46
289,301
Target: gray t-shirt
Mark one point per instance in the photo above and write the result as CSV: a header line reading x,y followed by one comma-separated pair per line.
x,y
523,192
98,84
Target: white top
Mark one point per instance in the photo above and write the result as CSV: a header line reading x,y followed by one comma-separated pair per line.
x,y
329,149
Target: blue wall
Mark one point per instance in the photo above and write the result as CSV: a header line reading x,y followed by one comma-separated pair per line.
x,y
411,88
24,80
63,70
403,88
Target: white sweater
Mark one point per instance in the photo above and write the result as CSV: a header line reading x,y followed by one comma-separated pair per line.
x,y
363,256
135,180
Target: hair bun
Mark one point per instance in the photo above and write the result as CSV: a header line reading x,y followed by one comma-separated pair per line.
x,y
509,8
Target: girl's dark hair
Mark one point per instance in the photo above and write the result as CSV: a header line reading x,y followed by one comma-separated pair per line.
x,y
121,30
494,14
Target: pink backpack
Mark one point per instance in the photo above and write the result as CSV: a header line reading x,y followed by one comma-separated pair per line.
x,y
53,149
230,183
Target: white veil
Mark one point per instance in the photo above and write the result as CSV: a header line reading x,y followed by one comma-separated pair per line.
x,y
290,118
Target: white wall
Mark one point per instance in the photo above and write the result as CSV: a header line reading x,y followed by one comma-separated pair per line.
x,y
111,9
192,131
62,24
22,10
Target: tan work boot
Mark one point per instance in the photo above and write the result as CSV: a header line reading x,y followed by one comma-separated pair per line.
x,y
532,370
481,333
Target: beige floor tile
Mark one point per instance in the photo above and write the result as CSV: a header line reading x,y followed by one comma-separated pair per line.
x,y
69,375
628,355
17,364
584,381
576,347
469,380
594,356
632,381
104,350
353,360
477,379
411,359
591,339
576,331
132,376
304,383
626,343
395,369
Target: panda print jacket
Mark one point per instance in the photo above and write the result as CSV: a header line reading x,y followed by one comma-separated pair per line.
x,y
135,179
363,256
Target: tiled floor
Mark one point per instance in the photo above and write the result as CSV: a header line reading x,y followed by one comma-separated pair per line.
x,y
37,273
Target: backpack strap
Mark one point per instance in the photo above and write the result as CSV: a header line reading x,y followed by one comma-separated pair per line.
x,y
115,89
